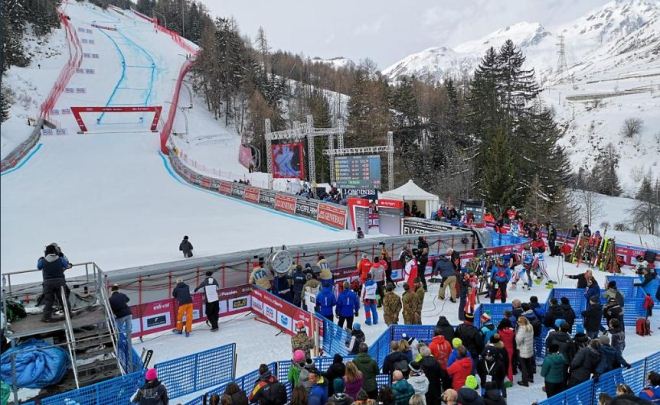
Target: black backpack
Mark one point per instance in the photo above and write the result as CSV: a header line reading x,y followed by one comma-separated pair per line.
x,y
274,394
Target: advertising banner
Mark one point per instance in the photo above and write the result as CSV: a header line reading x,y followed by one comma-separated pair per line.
x,y
358,209
285,203
332,215
225,187
237,190
390,213
414,227
288,160
160,315
267,197
251,194
278,312
307,208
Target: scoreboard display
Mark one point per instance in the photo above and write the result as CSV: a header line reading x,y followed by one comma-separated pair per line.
x,y
358,171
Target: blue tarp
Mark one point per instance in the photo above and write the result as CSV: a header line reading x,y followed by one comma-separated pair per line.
x,y
38,364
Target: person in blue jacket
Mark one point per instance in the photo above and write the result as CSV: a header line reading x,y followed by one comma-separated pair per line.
x,y
500,276
348,305
325,301
592,290
649,281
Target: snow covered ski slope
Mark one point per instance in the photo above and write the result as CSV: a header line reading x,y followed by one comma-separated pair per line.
x,y
109,196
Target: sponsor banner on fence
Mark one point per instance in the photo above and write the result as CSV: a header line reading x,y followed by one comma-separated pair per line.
x,y
308,208
419,227
251,194
331,215
278,312
161,315
237,190
285,203
267,197
225,187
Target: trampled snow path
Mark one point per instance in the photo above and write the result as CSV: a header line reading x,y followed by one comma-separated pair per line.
x,y
272,347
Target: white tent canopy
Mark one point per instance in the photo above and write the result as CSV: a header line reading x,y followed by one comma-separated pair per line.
x,y
411,193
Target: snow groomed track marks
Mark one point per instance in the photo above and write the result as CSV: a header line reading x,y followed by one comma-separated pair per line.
x,y
123,79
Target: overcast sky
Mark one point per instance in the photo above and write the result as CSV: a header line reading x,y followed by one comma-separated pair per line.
x,y
386,30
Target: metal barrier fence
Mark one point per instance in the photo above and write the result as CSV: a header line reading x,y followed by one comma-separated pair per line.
x,y
245,383
334,337
198,371
587,393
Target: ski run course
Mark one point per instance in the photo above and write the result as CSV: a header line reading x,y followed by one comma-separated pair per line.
x,y
109,196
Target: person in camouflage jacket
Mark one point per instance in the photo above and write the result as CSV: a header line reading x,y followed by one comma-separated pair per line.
x,y
300,341
391,305
410,303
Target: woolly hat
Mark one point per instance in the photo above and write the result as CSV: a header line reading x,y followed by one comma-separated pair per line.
x,y
151,374
469,317
357,326
485,317
471,382
338,385
298,356
456,343
414,366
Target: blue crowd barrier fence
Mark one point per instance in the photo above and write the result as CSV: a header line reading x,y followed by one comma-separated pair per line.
x,y
334,337
117,390
587,393
198,371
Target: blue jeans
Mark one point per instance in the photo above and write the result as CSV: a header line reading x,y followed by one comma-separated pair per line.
x,y
125,325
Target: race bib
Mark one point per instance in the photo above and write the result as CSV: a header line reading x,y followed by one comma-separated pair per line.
x,y
489,378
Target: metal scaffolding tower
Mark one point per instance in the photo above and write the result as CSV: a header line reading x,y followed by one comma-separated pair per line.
x,y
301,131
562,66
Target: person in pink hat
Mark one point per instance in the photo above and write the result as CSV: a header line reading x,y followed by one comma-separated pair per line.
x,y
152,392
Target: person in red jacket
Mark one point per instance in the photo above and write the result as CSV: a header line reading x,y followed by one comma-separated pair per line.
x,y
460,369
508,339
440,348
364,267
538,245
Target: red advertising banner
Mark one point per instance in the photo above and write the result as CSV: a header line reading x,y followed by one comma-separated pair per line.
x,y
285,203
278,312
288,160
251,194
331,215
225,187
390,203
205,182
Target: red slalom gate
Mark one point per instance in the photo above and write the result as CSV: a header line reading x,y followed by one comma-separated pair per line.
x,y
77,110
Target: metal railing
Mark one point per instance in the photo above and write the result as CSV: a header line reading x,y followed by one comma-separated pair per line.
x,y
70,338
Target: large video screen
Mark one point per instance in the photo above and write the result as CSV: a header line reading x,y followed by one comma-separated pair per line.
x,y
358,171
288,160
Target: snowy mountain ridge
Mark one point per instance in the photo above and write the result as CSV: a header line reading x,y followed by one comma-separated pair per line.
x,y
612,74
630,21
